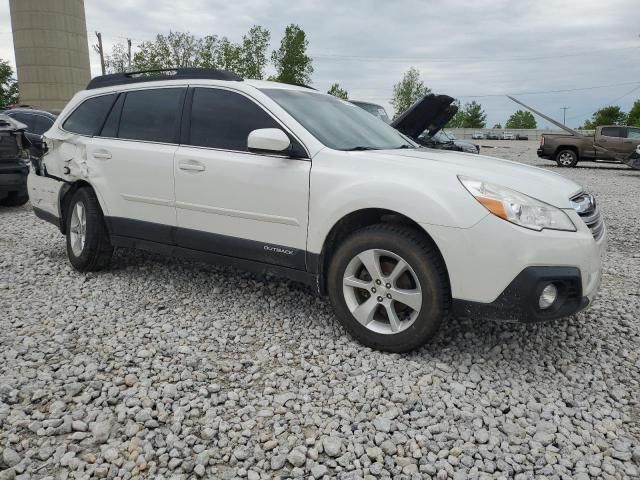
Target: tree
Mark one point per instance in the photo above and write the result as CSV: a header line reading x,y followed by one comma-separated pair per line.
x,y
634,115
408,91
228,56
118,60
291,61
175,50
338,91
8,85
457,121
611,115
521,119
254,52
474,116
498,126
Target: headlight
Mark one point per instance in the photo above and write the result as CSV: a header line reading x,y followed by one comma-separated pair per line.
x,y
516,207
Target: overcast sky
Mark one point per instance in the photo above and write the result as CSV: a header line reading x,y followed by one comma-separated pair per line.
x,y
465,48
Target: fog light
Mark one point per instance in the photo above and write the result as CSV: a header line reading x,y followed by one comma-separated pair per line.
x,y
548,296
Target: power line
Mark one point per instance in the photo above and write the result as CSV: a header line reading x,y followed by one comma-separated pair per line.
x,y
544,92
455,59
608,103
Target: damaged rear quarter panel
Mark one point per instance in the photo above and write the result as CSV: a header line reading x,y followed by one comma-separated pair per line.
x,y
68,160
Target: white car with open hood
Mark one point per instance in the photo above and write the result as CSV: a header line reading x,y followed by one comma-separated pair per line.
x,y
284,179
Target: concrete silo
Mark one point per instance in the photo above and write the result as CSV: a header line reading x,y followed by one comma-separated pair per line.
x,y
52,53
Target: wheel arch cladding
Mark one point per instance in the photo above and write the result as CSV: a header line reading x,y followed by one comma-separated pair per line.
x,y
573,148
357,220
66,194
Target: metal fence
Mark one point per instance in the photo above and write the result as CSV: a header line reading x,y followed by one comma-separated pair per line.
x,y
533,134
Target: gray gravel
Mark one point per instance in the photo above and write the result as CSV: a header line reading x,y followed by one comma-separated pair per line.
x,y
164,368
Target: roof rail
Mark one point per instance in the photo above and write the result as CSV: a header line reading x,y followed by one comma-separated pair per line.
x,y
304,85
161,74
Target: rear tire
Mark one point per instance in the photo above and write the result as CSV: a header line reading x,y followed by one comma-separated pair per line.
x,y
567,158
15,199
88,245
378,300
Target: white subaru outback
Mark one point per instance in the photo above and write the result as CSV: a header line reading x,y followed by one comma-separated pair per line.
x,y
281,178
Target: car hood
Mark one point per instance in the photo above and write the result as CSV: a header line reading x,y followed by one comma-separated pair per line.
x,y
431,113
548,187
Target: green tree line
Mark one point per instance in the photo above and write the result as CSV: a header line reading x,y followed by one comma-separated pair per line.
x,y
248,58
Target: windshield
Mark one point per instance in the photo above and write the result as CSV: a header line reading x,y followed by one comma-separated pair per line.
x,y
374,109
338,124
439,137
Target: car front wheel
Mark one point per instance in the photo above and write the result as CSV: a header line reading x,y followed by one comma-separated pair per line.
x,y
389,288
88,245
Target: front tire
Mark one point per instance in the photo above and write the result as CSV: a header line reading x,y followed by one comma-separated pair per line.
x,y
88,245
567,158
389,288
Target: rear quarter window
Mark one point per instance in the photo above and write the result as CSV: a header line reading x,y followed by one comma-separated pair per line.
x,y
612,132
633,133
88,118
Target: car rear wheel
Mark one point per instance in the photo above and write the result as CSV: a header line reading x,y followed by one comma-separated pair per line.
x,y
389,287
88,245
567,158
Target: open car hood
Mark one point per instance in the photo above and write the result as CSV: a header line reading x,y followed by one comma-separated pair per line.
x,y
431,113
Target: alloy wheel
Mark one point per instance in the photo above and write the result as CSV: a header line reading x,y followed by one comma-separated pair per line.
x,y
565,159
382,291
78,228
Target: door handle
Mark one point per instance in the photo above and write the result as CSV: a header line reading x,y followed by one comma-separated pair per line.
x,y
102,155
191,167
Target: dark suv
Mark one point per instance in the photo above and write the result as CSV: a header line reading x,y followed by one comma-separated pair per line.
x,y
37,122
14,157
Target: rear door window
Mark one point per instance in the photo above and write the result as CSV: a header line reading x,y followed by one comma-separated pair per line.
x,y
152,115
88,118
110,128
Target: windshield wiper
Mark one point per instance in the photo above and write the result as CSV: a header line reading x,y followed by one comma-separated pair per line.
x,y
360,148
406,145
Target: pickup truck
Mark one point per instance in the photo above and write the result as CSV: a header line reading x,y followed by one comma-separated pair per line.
x,y
612,143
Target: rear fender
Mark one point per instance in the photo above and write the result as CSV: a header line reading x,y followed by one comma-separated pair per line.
x,y
45,193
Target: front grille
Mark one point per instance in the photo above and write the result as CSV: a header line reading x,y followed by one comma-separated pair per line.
x,y
585,205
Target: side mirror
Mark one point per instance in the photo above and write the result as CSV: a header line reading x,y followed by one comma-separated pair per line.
x,y
268,140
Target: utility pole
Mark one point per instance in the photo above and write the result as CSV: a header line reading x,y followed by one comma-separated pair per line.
x,y
101,52
129,54
564,114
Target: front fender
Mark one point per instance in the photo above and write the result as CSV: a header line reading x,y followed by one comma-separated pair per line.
x,y
425,206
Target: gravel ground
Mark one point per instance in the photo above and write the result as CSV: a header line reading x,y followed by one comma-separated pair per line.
x,y
164,368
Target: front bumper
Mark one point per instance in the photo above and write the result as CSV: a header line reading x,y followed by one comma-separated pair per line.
x,y
519,301
487,264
